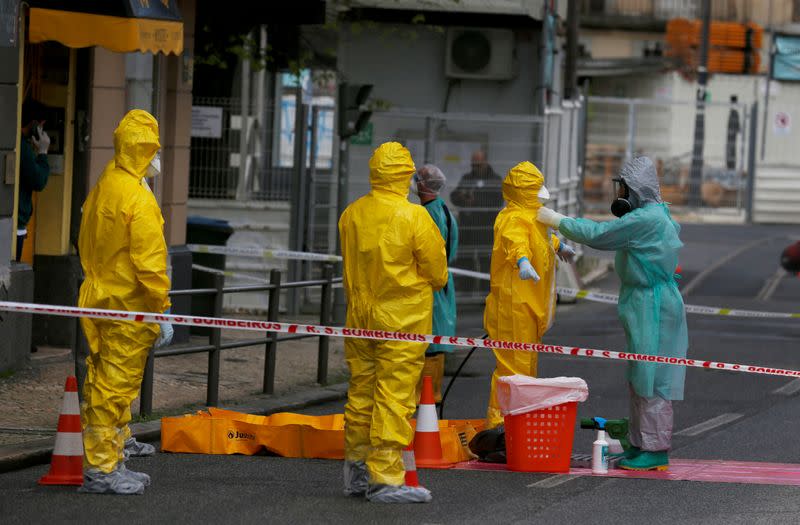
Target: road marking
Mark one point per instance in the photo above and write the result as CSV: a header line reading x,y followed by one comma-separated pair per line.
x,y
710,424
552,481
702,276
790,388
771,284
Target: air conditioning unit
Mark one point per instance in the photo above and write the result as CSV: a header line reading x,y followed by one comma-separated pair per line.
x,y
485,54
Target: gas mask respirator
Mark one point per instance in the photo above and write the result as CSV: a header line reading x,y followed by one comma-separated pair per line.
x,y
621,205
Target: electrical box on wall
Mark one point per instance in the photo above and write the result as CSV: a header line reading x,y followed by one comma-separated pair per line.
x,y
479,53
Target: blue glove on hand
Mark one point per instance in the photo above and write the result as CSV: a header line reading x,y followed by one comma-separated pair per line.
x,y
526,271
165,335
566,252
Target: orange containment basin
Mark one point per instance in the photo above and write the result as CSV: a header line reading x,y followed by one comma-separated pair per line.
x,y
219,431
541,440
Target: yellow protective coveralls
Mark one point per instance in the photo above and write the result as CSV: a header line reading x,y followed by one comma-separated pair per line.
x,y
519,310
394,259
124,259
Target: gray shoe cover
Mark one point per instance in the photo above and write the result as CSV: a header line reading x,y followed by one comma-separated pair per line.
x,y
135,449
401,494
355,478
141,477
116,482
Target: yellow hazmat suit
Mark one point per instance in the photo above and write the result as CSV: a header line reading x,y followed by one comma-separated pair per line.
x,y
519,310
394,259
124,259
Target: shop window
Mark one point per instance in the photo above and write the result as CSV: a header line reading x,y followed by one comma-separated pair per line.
x,y
318,93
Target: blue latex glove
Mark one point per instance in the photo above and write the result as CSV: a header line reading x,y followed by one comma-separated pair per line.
x,y
566,252
165,334
526,271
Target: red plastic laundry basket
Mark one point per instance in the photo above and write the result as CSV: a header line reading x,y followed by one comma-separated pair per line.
x,y
541,441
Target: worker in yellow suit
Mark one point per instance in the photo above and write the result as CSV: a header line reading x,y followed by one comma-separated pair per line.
x,y
124,259
393,259
522,297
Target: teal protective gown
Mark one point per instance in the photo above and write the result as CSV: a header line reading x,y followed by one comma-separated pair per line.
x,y
444,301
650,306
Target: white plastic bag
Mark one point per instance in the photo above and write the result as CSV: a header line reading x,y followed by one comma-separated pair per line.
x,y
519,394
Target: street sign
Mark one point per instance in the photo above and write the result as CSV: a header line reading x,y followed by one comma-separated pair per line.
x,y
207,122
782,125
363,137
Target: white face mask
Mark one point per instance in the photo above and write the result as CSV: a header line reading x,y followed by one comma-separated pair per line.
x,y
155,166
543,195
413,186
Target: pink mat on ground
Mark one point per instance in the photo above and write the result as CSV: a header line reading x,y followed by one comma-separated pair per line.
x,y
713,471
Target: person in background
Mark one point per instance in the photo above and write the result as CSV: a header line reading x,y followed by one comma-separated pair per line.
x,y
478,197
651,309
124,258
734,128
394,259
34,169
522,302
428,182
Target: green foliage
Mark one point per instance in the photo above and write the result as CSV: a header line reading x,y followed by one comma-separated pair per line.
x,y
242,46
246,46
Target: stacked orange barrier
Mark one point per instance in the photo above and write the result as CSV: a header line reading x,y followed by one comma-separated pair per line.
x,y
722,34
733,46
721,60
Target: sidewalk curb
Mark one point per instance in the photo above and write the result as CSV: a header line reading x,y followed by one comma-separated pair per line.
x,y
38,452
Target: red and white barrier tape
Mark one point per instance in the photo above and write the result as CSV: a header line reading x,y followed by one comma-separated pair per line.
x,y
382,335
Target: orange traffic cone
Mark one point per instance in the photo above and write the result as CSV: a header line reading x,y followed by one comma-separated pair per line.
x,y
66,466
427,441
412,480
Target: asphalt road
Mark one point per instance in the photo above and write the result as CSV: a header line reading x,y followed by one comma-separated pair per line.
x,y
761,412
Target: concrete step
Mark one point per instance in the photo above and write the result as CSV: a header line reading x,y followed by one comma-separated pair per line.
x,y
777,191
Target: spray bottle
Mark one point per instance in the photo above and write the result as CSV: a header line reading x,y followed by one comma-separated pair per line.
x,y
600,449
616,433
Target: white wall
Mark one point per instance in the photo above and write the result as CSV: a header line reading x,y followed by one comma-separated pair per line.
x,y
618,44
408,72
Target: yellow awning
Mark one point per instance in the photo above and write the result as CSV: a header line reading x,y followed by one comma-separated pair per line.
x,y
118,34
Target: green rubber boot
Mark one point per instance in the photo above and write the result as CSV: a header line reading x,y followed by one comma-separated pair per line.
x,y
647,461
630,453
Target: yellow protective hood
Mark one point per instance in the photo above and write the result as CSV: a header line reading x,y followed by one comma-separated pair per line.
x,y
136,142
522,184
391,168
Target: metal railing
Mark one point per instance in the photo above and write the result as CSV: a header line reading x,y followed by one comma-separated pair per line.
x,y
216,345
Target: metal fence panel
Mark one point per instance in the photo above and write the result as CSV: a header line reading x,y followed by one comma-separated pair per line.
x,y
618,128
214,160
224,168
458,144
